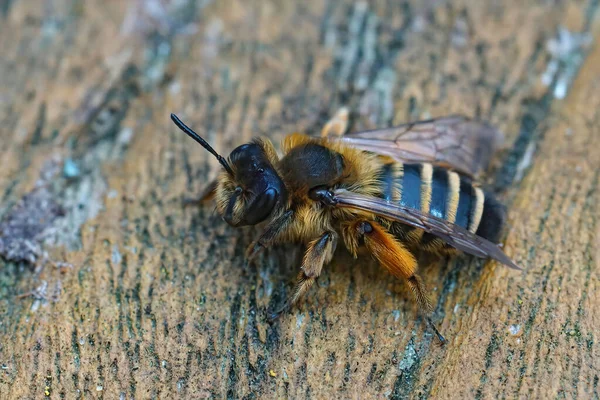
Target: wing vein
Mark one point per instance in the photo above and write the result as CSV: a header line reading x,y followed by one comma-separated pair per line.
x,y
452,234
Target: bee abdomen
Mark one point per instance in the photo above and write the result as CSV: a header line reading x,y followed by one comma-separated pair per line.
x,y
468,207
479,212
450,198
412,185
390,177
493,218
444,194
445,190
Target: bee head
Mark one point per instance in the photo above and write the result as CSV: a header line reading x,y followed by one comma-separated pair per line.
x,y
249,189
254,189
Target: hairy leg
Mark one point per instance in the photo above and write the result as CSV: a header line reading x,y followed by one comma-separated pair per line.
x,y
394,257
319,252
269,235
337,125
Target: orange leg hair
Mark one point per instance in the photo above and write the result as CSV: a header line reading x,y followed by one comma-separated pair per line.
x,y
319,252
394,257
337,125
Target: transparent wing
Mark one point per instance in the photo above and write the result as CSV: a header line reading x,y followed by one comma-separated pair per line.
x,y
450,233
454,142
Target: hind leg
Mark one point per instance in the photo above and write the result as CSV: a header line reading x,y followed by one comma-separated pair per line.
x,y
394,257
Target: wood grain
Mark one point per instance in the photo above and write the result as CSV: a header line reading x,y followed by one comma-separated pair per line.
x,y
139,297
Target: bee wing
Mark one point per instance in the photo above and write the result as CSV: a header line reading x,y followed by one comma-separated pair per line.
x,y
454,142
452,234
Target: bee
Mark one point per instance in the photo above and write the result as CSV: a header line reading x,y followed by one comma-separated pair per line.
x,y
392,192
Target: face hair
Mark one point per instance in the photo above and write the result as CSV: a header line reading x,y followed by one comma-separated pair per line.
x,y
202,142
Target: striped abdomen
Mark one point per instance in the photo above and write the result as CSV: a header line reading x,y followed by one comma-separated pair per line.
x,y
444,194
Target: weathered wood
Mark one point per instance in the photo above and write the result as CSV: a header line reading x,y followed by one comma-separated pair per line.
x,y
150,298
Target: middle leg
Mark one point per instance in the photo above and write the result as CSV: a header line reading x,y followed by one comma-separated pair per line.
x,y
319,252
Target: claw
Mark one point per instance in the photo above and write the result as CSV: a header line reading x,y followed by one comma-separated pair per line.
x,y
247,267
253,251
441,338
190,201
276,314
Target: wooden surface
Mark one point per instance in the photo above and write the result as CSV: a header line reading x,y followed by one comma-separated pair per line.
x,y
138,297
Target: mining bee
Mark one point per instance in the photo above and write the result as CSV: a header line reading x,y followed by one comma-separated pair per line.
x,y
394,192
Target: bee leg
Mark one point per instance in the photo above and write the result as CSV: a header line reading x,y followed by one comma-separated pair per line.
x,y
398,260
207,193
420,292
337,125
319,252
270,234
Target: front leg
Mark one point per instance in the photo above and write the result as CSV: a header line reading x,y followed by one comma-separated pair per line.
x,y
319,252
207,194
269,235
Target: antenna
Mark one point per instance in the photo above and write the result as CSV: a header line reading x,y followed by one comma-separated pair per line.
x,y
202,142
